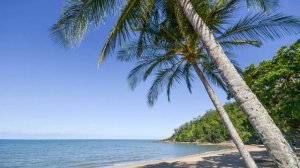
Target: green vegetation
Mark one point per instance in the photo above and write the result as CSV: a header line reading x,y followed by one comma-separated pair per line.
x,y
167,47
210,128
276,83
79,15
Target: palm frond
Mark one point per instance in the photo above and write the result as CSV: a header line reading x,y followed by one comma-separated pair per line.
x,y
188,76
162,45
240,43
175,77
260,27
157,85
265,5
145,67
132,15
214,78
133,51
211,73
164,78
77,16
222,11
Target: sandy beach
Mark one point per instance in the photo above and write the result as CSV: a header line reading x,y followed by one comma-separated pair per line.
x,y
223,158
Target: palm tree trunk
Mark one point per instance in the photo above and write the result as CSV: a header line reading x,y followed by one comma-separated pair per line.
x,y
278,148
226,120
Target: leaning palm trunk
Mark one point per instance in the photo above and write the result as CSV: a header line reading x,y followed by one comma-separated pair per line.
x,y
278,148
226,120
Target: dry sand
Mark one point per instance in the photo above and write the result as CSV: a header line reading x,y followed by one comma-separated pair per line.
x,y
223,158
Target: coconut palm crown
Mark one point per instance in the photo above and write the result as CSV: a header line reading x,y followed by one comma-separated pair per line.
x,y
79,15
168,55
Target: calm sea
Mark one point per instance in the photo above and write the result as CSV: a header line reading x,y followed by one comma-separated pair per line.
x,y
89,153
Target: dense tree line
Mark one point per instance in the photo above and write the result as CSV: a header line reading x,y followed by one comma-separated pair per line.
x,y
210,128
276,83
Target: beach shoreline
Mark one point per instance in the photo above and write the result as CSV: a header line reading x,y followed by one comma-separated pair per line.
x,y
194,160
225,144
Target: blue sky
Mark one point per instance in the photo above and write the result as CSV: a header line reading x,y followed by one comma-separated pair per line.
x,y
50,92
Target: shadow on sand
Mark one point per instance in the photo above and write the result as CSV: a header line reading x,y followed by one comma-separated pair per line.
x,y
226,160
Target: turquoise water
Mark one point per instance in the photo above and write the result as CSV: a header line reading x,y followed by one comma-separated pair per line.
x,y
89,153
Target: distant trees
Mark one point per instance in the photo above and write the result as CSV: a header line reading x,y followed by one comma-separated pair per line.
x,y
209,127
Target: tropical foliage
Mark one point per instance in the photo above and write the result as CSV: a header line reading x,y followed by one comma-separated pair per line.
x,y
79,15
166,49
209,127
276,83
140,16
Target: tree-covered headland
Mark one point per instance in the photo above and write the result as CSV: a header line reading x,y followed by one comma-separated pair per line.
x,y
276,83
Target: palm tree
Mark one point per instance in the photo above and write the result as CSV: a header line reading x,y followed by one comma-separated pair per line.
x,y
170,56
278,147
172,59
78,15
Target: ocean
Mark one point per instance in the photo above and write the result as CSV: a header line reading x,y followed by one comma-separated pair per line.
x,y
89,153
